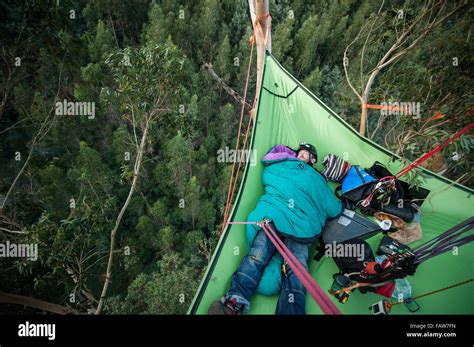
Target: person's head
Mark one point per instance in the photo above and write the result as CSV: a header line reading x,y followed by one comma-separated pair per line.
x,y
307,153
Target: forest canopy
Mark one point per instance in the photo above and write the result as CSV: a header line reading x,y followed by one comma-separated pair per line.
x,y
142,172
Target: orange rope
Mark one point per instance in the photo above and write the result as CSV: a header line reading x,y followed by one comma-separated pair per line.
x,y
240,161
227,208
230,193
237,175
380,107
433,292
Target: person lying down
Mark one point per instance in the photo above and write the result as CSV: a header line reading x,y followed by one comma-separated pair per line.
x,y
297,201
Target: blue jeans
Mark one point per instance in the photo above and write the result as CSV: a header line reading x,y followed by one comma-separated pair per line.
x,y
245,280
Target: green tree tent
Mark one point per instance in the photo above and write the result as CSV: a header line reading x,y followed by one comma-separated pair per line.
x,y
289,113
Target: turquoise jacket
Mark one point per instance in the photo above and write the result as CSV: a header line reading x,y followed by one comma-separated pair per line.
x,y
297,199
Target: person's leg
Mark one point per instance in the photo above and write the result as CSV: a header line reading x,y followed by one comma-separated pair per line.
x,y
245,279
292,298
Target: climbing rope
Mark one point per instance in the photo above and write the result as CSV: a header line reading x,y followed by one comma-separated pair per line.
x,y
319,296
229,191
425,156
431,293
234,179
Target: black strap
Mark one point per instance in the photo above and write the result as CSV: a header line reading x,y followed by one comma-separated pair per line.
x,y
319,251
360,175
345,202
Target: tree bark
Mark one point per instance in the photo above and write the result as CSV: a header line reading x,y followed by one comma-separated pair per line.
x,y
365,99
259,12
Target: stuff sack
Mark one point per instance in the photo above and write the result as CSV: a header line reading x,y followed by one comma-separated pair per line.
x,y
355,178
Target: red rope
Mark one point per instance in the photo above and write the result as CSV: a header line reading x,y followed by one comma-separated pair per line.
x,y
319,296
425,156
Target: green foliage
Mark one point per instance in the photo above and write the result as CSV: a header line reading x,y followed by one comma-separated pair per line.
x,y
177,153
143,60
170,289
313,81
103,43
224,60
155,30
144,76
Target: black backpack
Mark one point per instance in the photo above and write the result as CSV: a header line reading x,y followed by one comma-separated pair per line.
x,y
351,264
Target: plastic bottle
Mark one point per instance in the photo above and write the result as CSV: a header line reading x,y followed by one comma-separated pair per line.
x,y
402,290
380,258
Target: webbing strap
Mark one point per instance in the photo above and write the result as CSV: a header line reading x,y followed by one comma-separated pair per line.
x,y
445,241
440,250
444,235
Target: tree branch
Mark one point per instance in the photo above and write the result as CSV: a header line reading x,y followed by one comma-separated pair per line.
x,y
223,85
7,298
136,171
43,130
366,41
12,231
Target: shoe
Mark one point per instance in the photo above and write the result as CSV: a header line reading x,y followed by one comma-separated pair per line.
x,y
225,307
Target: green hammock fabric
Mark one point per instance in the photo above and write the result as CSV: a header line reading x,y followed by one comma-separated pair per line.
x,y
289,113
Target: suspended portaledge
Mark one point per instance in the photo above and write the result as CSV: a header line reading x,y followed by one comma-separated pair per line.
x,y
288,113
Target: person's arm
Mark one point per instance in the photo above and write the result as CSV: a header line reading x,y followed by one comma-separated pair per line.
x,y
334,205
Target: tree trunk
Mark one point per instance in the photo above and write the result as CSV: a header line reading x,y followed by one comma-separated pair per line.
x,y
259,10
365,100
136,171
363,119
